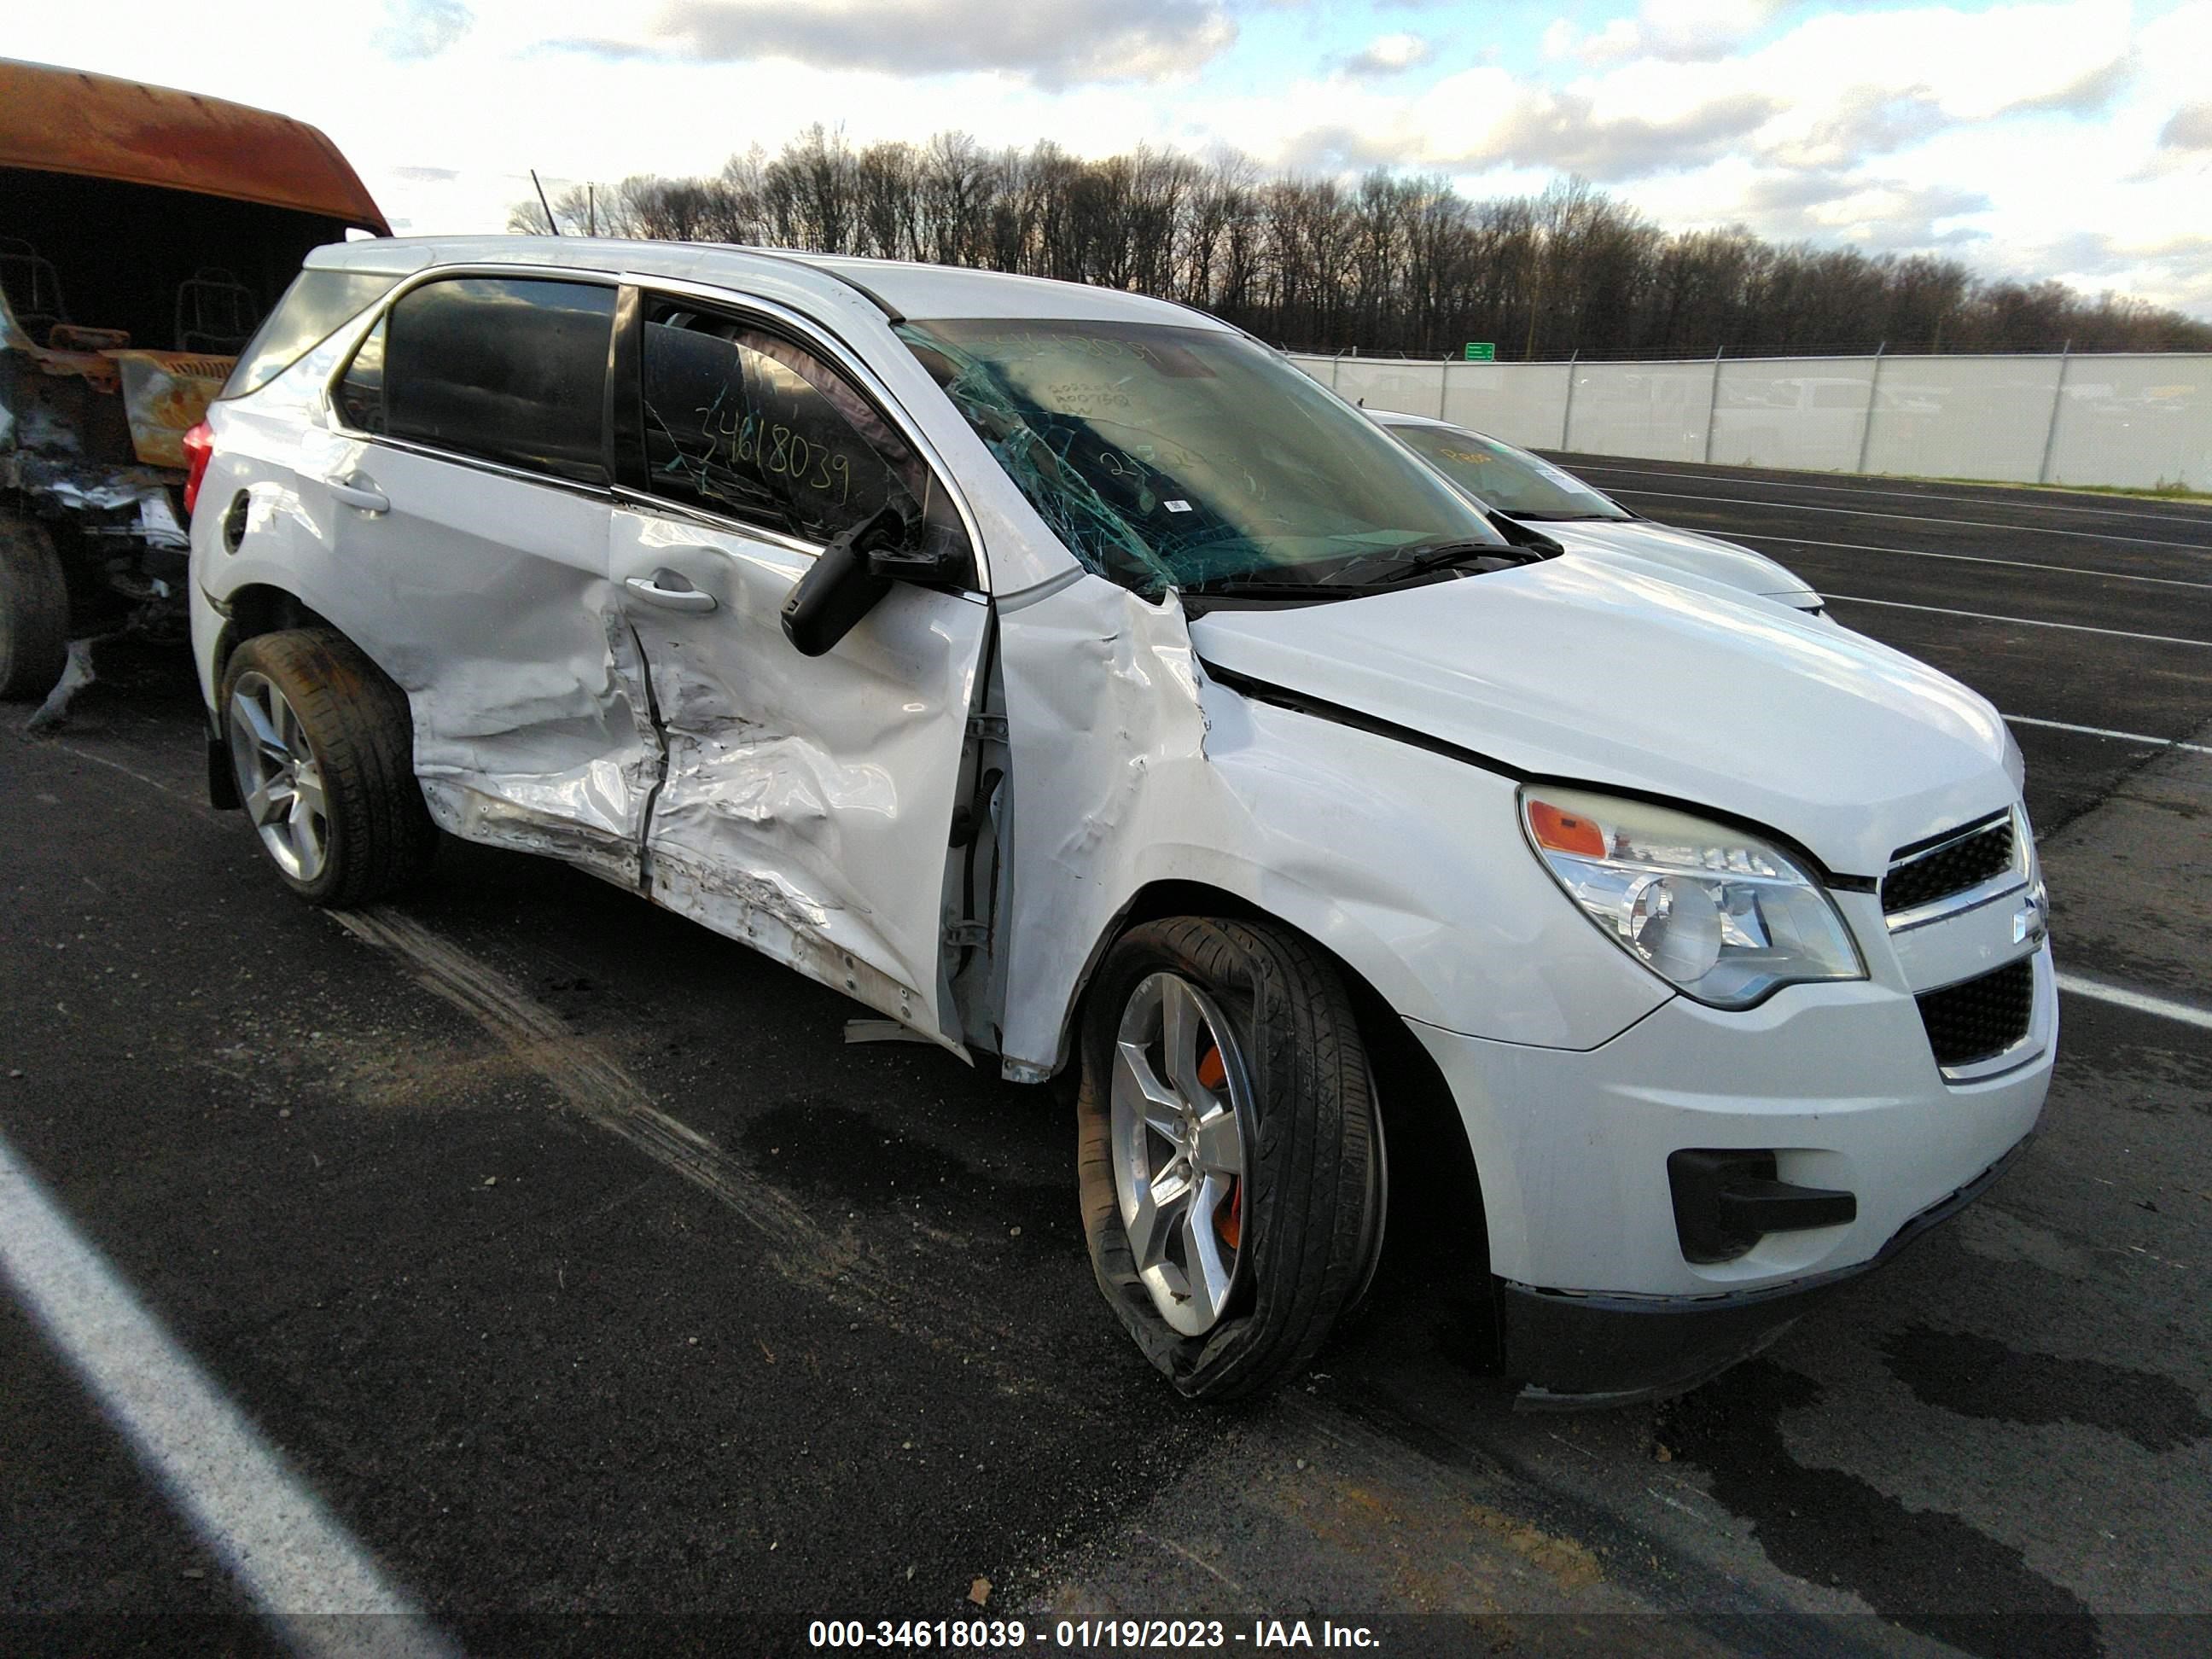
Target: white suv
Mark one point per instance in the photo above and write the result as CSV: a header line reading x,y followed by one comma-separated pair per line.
x,y
1065,676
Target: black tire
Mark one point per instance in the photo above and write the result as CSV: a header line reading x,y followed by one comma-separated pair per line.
x,y
1311,1206
34,610
379,835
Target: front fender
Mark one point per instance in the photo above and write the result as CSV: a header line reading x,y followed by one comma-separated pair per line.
x,y
1131,767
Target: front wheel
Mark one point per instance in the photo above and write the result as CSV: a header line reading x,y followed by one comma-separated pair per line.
x,y
1228,1149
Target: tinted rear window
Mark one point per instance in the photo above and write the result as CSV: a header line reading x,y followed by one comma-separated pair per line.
x,y
514,371
315,304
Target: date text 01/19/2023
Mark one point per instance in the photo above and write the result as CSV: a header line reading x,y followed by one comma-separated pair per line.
x,y
1089,1635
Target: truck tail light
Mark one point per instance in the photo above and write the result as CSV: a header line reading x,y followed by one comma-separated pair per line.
x,y
199,449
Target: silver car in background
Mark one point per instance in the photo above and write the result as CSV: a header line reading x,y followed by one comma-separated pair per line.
x,y
1531,491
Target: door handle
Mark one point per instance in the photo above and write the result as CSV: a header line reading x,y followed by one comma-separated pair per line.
x,y
355,491
670,591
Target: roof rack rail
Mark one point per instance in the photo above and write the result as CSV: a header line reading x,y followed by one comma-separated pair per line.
x,y
890,311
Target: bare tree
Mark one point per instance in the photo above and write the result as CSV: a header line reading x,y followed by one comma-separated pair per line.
x,y
1384,262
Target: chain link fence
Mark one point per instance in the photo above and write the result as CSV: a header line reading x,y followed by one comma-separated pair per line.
x,y
2134,421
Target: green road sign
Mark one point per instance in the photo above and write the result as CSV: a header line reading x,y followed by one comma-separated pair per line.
x,y
1482,351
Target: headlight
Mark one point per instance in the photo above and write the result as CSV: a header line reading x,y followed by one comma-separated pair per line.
x,y
1722,915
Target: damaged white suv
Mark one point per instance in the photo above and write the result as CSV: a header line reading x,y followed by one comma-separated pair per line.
x,y
1064,675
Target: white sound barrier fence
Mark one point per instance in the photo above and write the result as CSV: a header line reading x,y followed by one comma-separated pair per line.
x,y
2132,421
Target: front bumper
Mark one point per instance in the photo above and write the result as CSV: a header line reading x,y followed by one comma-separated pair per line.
x,y
1837,1081
1582,1352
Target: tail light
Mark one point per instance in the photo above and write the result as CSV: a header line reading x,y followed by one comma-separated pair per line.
x,y
199,449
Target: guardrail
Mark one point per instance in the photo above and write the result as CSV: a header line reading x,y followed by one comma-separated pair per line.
x,y
2137,421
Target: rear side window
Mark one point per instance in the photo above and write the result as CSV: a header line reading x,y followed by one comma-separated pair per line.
x,y
748,424
505,369
315,304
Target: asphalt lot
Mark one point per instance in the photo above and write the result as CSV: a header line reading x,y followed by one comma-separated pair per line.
x,y
573,1264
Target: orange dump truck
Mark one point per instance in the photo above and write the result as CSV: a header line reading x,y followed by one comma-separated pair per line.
x,y
144,234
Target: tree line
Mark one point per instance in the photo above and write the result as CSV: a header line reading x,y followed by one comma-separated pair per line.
x,y
1386,263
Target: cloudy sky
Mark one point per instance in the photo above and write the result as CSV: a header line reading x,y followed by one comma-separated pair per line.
x,y
2069,139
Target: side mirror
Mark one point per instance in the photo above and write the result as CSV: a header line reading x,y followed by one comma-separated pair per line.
x,y
844,587
854,574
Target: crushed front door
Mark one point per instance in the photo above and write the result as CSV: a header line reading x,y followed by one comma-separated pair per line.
x,y
807,804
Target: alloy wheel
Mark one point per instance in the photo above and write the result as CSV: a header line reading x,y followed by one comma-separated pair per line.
x,y
279,778
1180,1112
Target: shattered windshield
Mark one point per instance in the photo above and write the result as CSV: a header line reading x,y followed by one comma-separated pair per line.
x,y
1511,480
1193,459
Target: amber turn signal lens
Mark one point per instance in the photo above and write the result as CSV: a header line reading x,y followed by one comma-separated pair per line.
x,y
1565,832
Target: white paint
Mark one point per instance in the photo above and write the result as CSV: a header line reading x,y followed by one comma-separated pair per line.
x,y
1131,765
1920,518
1838,1075
804,800
2141,1002
1623,677
1979,558
2023,621
272,1533
1689,551
2107,731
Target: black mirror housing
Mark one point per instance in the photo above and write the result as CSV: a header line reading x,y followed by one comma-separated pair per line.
x,y
828,600
920,565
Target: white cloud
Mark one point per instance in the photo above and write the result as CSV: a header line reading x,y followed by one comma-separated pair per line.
x,y
2190,129
2073,118
1671,31
1054,42
1482,118
1390,54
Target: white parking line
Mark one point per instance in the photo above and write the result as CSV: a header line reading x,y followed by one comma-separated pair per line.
x,y
2164,1007
2107,731
2025,622
1968,558
2035,497
1923,518
272,1533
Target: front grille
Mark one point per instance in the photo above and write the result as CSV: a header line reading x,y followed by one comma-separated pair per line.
x,y
1943,870
1979,1018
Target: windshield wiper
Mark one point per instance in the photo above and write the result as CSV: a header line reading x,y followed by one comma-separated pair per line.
x,y
1446,555
1258,588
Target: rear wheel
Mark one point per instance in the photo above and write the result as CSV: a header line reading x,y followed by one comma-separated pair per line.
x,y
34,610
322,749
1230,1164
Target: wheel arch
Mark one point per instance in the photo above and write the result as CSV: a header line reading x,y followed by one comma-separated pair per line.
x,y
260,608
1436,1187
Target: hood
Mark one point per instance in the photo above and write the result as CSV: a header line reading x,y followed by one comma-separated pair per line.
x,y
1686,550
1607,674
